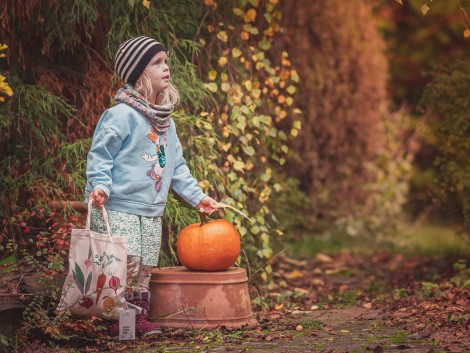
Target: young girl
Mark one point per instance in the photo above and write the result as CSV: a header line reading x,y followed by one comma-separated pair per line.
x,y
135,158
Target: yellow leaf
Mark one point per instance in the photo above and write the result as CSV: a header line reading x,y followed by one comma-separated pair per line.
x,y
466,33
289,101
226,146
294,76
297,124
237,11
291,89
222,35
146,3
244,35
294,274
212,75
203,184
236,52
424,9
225,86
248,85
211,86
323,258
250,15
286,62
281,115
294,132
239,166
5,87
256,93
222,61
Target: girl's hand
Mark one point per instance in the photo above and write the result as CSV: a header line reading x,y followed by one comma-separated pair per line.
x,y
99,198
207,205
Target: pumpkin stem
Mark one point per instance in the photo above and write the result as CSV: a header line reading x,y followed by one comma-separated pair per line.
x,y
203,218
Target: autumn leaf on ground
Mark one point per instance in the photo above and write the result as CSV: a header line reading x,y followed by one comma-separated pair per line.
x,y
294,274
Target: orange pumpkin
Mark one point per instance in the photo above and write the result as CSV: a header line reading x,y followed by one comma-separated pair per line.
x,y
208,246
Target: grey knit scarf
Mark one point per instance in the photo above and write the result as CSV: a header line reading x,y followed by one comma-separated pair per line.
x,y
158,115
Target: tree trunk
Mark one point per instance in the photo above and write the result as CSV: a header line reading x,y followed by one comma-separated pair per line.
x,y
339,54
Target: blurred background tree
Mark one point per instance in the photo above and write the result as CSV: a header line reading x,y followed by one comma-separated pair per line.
x,y
423,37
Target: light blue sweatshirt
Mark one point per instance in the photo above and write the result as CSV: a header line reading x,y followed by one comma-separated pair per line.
x,y
118,164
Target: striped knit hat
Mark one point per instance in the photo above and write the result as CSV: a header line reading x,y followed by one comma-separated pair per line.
x,y
133,56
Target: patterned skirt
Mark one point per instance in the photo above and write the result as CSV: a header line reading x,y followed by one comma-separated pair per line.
x,y
144,234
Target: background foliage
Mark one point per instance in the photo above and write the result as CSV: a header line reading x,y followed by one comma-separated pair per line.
x,y
445,98
349,156
417,42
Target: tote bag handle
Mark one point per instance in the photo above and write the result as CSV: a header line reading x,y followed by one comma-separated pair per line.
x,y
105,217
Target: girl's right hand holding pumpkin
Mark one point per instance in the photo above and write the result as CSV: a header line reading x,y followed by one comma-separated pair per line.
x,y
99,198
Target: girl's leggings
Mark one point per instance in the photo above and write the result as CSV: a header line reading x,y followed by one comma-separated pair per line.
x,y
138,275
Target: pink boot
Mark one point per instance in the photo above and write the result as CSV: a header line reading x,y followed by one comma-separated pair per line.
x,y
113,328
143,326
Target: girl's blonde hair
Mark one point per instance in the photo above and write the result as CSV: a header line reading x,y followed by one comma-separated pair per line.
x,y
169,95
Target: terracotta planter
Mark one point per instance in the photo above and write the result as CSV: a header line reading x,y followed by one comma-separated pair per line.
x,y
181,298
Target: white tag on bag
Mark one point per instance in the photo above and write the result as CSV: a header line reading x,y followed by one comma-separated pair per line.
x,y
127,324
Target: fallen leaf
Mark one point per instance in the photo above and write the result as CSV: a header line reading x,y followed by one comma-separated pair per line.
x,y
335,271
298,263
318,282
299,328
294,274
323,258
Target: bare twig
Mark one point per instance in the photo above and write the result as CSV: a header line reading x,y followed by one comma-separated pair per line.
x,y
267,263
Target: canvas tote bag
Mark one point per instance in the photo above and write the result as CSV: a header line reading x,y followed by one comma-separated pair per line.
x,y
97,276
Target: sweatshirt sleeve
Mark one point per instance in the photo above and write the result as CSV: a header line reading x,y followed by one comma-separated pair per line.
x,y
183,183
106,144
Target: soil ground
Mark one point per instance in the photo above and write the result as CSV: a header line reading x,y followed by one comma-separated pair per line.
x,y
339,303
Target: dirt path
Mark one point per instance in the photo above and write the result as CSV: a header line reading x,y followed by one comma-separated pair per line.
x,y
346,303
336,330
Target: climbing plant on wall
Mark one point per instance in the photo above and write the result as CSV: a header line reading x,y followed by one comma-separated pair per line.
x,y
236,88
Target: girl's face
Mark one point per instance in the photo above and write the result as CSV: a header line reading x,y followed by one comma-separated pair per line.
x,y
158,71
